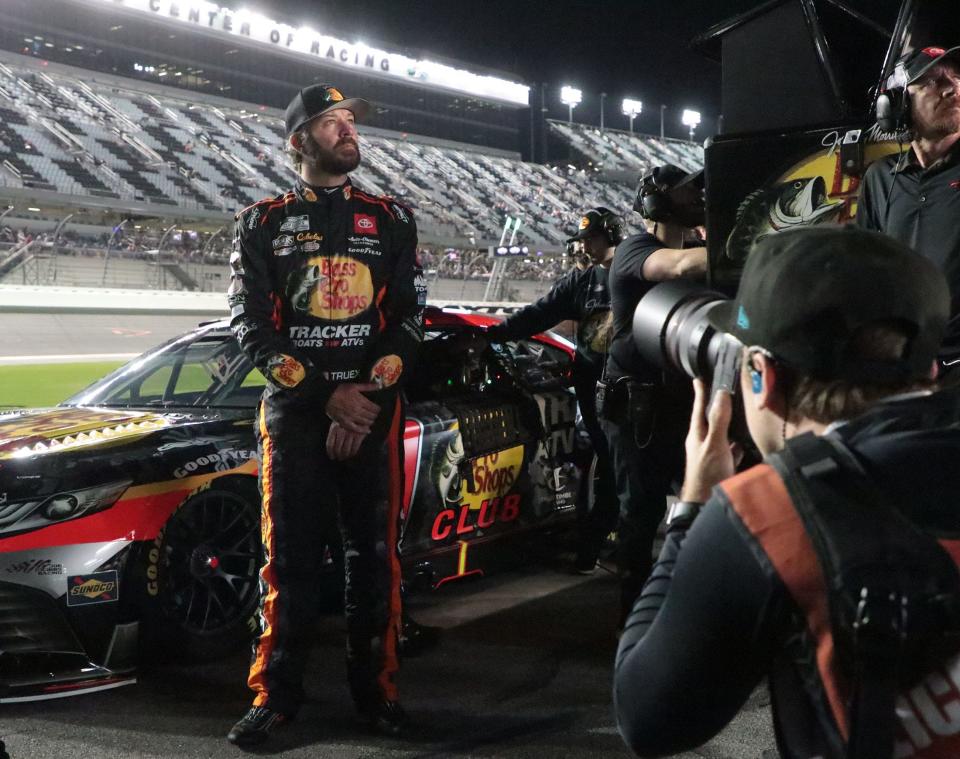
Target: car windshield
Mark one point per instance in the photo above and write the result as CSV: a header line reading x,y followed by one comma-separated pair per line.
x,y
199,370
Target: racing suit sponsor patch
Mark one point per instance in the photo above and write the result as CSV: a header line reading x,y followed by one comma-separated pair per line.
x,y
333,288
310,247
96,588
387,371
284,251
296,224
309,237
252,218
286,370
331,335
341,376
365,224
282,241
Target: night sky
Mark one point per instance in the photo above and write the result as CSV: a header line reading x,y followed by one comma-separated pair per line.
x,y
633,49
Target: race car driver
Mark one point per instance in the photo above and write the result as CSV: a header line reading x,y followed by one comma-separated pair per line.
x,y
323,300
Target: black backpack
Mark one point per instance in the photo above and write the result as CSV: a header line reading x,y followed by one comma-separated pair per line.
x,y
894,592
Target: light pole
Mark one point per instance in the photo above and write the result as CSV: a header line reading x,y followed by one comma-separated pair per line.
x,y
690,119
631,108
603,96
663,108
570,97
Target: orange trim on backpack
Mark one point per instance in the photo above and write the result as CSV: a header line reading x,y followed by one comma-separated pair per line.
x,y
760,498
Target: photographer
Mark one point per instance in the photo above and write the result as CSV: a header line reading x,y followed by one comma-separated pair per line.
x,y
644,420
841,329
915,196
582,295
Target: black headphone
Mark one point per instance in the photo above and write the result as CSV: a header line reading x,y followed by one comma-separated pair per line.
x,y
652,201
893,103
610,224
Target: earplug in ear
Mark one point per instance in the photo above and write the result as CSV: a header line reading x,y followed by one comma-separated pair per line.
x,y
756,382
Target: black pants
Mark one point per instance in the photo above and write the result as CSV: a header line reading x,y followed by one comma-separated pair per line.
x,y
645,472
303,493
601,519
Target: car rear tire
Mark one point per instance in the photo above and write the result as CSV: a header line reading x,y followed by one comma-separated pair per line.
x,y
201,574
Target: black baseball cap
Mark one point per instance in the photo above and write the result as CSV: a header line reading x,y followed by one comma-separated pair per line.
x,y
805,292
316,99
591,223
915,64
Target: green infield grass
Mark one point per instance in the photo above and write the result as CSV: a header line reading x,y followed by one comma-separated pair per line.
x,y
32,385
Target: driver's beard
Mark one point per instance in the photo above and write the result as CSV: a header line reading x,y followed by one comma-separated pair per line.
x,y
328,161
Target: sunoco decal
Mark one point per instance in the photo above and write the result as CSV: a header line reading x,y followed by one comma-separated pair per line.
x,y
98,588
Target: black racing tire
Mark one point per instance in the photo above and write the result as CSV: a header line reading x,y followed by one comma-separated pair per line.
x,y
200,576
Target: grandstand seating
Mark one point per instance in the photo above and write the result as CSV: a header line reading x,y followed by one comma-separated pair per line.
x,y
62,130
613,150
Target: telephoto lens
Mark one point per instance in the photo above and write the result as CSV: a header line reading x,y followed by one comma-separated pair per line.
x,y
671,330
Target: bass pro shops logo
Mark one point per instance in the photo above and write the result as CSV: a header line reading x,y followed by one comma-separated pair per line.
x,y
286,370
387,371
333,288
97,588
365,224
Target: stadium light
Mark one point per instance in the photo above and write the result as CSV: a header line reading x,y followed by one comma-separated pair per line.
x,y
631,108
690,119
570,97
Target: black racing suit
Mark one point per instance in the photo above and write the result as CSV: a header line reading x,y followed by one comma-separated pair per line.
x,y
581,296
715,617
324,292
645,436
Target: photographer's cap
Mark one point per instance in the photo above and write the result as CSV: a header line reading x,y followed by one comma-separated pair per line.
x,y
804,294
317,99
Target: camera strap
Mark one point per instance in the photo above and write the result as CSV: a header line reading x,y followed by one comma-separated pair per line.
x,y
893,590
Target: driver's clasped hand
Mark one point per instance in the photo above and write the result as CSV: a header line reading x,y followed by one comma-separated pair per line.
x,y
351,409
342,444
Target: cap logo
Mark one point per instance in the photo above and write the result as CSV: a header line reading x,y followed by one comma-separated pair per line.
x,y
934,52
334,94
743,321
584,222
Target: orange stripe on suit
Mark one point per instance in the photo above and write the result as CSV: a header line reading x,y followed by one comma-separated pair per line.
x,y
257,680
391,664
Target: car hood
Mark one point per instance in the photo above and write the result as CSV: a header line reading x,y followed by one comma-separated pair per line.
x,y
24,433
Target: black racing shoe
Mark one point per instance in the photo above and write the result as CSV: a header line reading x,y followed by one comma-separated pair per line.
x,y
416,639
256,725
388,718
586,563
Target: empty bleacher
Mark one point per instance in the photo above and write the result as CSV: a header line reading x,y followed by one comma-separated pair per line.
x,y
613,150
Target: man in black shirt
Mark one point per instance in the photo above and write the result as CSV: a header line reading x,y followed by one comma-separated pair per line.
x,y
645,419
582,295
915,197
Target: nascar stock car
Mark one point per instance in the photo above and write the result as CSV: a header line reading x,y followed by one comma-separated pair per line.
x,y
131,511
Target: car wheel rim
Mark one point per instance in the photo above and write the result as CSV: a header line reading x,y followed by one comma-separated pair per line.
x,y
211,563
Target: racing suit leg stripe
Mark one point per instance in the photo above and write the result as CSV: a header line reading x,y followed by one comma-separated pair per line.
x,y
390,665
257,681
